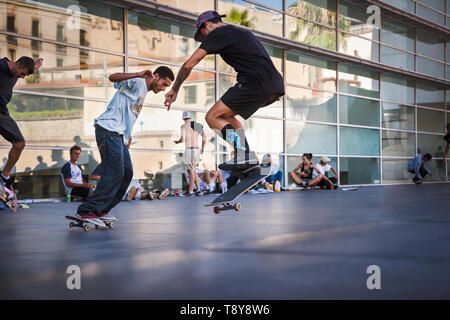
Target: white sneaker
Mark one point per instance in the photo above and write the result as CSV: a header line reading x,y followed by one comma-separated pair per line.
x,y
253,191
262,190
269,190
292,187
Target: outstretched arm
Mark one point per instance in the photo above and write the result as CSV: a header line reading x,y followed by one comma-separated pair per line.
x,y
183,74
118,77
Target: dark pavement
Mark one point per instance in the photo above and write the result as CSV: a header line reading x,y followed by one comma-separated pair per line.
x,y
287,245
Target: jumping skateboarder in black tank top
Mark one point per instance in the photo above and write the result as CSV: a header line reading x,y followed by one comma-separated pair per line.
x,y
259,83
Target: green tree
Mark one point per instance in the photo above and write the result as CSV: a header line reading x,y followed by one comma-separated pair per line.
x,y
240,18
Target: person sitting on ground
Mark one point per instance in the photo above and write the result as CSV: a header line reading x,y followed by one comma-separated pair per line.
x,y
72,175
133,193
304,176
320,172
213,179
417,166
276,174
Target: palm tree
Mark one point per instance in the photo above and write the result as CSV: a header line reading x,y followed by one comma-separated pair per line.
x,y
240,18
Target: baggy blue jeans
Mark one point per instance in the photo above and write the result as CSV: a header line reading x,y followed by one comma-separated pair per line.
x,y
116,176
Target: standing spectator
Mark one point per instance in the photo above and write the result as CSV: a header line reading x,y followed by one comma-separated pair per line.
x,y
72,175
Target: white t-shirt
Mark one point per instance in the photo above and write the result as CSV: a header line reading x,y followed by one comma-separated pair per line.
x,y
73,172
322,169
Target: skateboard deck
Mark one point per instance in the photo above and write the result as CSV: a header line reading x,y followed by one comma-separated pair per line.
x,y
8,199
248,179
80,223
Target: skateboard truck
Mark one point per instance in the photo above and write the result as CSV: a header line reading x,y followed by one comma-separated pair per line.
x,y
227,206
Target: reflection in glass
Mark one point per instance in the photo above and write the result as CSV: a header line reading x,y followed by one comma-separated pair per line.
x,y
399,144
252,16
407,5
197,92
397,89
431,15
310,105
430,45
196,6
358,141
395,171
310,33
398,117
101,25
359,81
354,20
436,4
155,38
358,47
430,143
304,137
398,35
310,72
430,96
320,11
355,171
396,58
359,111
68,71
430,67
430,120
437,168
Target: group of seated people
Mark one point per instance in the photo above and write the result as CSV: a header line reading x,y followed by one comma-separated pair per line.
x,y
307,174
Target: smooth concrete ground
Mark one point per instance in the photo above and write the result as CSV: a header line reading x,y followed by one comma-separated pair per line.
x,y
288,245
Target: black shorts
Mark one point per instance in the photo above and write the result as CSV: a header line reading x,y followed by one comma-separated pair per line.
x,y
245,100
9,129
80,192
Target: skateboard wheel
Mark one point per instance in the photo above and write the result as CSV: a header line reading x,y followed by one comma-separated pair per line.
x,y
111,225
237,207
86,228
217,210
71,225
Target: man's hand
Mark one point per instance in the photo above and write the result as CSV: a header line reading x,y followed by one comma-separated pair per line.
x,y
38,63
88,185
145,74
171,96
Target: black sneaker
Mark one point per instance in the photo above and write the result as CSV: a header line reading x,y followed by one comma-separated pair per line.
x,y
7,182
236,164
187,194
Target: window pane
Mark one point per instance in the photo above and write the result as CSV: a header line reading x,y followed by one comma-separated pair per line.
x,y
430,67
430,45
396,58
359,81
310,33
252,16
429,143
155,38
99,25
359,171
310,72
407,5
304,137
197,6
263,135
397,89
398,144
306,104
359,111
436,4
430,96
395,171
202,97
358,47
358,141
320,11
431,15
68,71
398,35
430,121
398,117
354,20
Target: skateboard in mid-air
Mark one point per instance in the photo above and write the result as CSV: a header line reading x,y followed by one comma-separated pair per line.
x,y
249,178
8,199
81,223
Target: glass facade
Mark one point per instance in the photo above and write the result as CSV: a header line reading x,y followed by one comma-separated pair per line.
x,y
369,122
